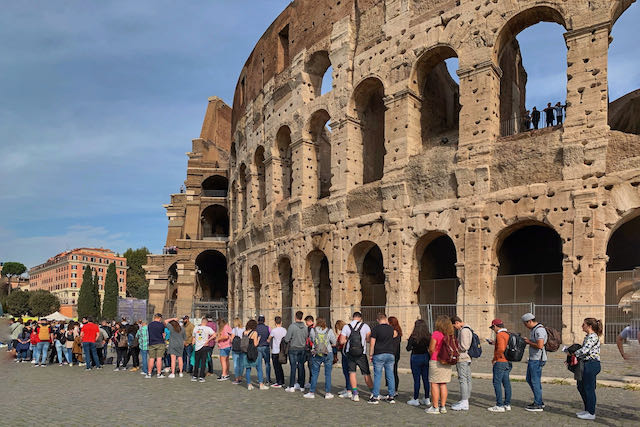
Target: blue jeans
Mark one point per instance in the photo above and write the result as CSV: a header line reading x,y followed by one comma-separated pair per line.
x,y
43,350
90,352
144,355
60,351
420,370
385,361
237,365
501,379
186,357
345,372
316,361
69,355
587,387
264,355
534,374
297,357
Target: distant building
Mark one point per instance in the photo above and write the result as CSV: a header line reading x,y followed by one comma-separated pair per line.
x,y
62,274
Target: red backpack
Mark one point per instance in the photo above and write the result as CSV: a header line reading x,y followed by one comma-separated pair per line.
x,y
449,353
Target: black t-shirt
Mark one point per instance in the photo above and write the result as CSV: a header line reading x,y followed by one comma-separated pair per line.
x,y
383,335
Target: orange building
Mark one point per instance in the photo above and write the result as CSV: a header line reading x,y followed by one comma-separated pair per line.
x,y
62,274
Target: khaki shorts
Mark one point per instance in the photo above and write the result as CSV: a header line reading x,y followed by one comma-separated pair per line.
x,y
156,351
439,373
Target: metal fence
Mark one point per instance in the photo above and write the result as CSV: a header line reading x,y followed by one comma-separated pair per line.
x,y
615,318
519,124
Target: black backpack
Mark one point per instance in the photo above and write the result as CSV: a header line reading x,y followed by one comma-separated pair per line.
x,y
236,344
355,341
475,349
515,347
252,350
284,352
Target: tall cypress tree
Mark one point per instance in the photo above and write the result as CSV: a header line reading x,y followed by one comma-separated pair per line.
x,y
85,298
96,296
110,300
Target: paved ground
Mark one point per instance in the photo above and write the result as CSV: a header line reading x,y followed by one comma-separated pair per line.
x,y
77,397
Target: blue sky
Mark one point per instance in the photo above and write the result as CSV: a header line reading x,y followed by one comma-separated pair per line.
x,y
100,101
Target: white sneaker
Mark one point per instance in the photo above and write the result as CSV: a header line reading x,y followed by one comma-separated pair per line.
x,y
250,387
160,376
414,402
172,375
167,369
460,406
181,374
355,398
348,395
297,387
581,413
328,396
264,387
443,410
425,402
507,407
147,376
116,369
309,395
307,385
587,416
432,410
290,389
343,391
496,409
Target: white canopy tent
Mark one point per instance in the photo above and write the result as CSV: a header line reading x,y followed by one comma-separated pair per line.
x,y
57,316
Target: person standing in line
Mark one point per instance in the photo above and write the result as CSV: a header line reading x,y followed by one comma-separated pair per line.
x,y
590,354
397,339
275,338
501,367
382,355
34,340
134,347
296,337
70,337
339,349
143,343
307,357
356,351
439,373
176,346
101,344
537,360
549,114
463,366
251,334
121,343
535,117
237,356
263,351
224,344
89,334
323,340
188,347
59,341
559,110
211,344
44,342
15,329
157,345
418,345
201,336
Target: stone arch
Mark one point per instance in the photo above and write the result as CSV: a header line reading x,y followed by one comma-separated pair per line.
x,y
317,68
440,96
617,8
243,178
320,134
285,276
235,205
215,186
233,156
318,274
369,110
211,275
261,177
214,222
623,254
256,287
283,147
367,276
435,273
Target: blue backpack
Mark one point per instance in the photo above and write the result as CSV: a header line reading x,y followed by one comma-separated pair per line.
x,y
475,349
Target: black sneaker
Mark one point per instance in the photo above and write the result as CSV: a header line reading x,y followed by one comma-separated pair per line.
x,y
534,408
373,400
390,399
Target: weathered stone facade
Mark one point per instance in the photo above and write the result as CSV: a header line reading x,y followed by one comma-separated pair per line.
x,y
399,176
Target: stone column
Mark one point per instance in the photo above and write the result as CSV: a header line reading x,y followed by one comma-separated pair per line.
x,y
585,127
401,293
271,164
402,129
186,287
305,171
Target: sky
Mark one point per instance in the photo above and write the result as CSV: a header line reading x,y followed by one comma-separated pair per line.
x,y
99,102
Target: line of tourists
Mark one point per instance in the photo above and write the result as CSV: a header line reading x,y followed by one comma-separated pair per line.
x,y
178,346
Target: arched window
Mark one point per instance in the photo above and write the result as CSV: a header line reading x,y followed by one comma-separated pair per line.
x,y
260,171
257,286
320,73
369,108
214,222
318,271
211,275
321,136
283,142
285,273
215,186
244,196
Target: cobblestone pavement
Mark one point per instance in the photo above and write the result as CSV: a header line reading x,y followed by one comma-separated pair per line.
x,y
73,396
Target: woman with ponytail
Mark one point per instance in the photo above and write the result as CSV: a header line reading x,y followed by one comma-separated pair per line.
x,y
590,354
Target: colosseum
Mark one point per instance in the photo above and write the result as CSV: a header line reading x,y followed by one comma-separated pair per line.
x,y
406,190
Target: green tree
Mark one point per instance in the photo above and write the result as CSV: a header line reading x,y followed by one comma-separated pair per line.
x,y
110,300
86,306
95,289
137,284
42,303
10,269
17,303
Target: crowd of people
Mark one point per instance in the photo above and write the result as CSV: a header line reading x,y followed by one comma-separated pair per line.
x,y
176,347
553,116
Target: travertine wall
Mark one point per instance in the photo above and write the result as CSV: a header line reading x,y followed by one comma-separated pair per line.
x,y
475,188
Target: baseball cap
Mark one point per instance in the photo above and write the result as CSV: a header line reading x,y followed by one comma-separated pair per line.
x,y
496,322
527,316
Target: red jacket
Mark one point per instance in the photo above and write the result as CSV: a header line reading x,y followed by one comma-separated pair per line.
x,y
34,337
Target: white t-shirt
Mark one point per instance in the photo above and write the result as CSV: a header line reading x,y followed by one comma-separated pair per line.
x,y
277,334
202,335
630,333
364,331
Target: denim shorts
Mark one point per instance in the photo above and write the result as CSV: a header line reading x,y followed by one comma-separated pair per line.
x,y
225,352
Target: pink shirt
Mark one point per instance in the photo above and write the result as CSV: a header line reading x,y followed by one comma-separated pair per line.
x,y
438,336
227,343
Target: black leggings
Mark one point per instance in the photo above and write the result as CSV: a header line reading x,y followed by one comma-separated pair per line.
x,y
395,374
122,356
200,368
